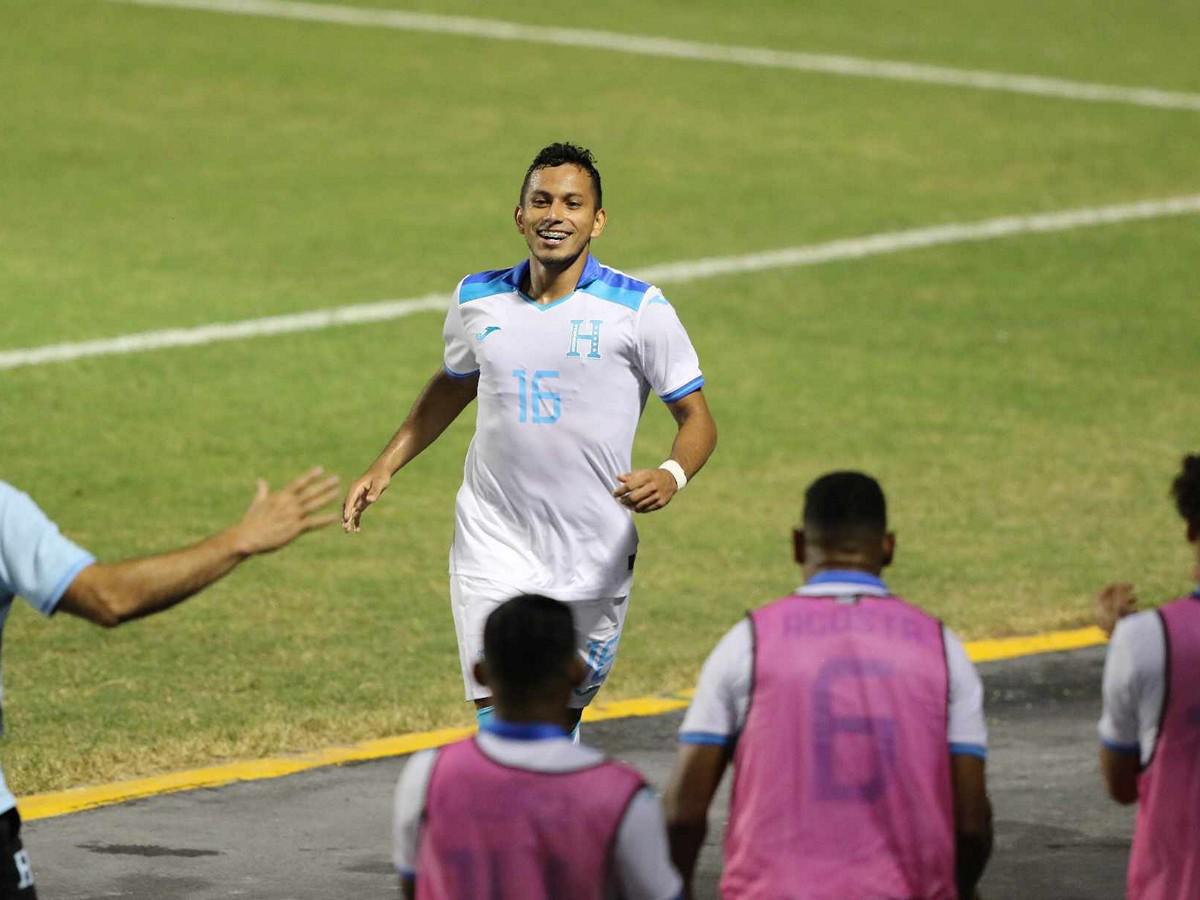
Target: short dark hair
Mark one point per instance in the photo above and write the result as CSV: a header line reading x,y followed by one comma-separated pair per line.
x,y
1186,490
562,154
528,641
845,506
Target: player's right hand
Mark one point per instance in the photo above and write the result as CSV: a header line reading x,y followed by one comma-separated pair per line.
x,y
276,518
1114,602
362,494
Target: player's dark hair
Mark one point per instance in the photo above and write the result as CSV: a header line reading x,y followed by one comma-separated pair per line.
x,y
1186,490
560,155
528,641
845,506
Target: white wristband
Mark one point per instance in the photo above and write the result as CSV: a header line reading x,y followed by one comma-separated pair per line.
x,y
676,471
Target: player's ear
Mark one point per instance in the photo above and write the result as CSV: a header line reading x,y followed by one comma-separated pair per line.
x,y
519,219
576,672
599,222
889,548
480,672
798,545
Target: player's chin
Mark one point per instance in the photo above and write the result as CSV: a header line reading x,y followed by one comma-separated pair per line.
x,y
556,254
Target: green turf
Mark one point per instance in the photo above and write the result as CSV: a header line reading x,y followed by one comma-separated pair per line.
x,y
1024,401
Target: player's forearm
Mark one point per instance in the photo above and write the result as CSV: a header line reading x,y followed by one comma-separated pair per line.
x,y
439,403
972,820
972,854
686,839
694,441
112,593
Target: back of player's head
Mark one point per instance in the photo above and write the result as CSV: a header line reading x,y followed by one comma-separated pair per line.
x,y
844,508
528,644
562,154
1186,491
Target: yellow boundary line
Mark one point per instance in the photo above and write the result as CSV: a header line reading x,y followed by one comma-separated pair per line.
x,y
59,803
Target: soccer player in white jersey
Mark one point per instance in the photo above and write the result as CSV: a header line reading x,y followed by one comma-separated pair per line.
x,y
54,574
1150,726
519,811
854,722
561,353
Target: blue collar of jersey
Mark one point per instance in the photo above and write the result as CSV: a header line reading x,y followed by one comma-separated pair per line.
x,y
522,731
591,271
846,576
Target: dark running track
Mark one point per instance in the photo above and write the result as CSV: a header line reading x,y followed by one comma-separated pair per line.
x,y
325,834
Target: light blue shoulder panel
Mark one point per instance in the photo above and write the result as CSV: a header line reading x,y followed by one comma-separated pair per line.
x,y
485,284
618,288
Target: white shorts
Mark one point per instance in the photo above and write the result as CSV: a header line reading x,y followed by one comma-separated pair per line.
x,y
598,625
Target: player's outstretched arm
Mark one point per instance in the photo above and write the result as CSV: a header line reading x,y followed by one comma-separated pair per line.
x,y
972,821
694,780
439,404
645,490
111,593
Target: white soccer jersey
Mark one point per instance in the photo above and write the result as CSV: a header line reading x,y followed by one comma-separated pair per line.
x,y
561,389
718,710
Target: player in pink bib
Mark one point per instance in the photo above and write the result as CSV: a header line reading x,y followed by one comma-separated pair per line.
x,y
520,811
1150,727
854,723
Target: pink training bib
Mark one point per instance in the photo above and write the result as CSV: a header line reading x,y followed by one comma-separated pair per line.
x,y
842,774
1165,862
494,831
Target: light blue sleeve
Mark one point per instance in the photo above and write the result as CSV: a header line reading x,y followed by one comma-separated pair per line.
x,y
36,561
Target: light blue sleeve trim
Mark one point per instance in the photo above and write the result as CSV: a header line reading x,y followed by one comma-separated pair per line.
x,y
977,750
679,393
51,605
1119,747
459,375
707,738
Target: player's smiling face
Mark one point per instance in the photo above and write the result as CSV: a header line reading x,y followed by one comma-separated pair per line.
x,y
558,214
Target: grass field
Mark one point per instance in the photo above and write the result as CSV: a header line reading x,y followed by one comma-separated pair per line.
x,y
1025,401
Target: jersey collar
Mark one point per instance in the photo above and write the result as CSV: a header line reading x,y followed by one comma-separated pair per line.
x,y
843,581
591,271
522,731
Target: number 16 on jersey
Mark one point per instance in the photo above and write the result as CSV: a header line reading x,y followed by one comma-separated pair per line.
x,y
545,404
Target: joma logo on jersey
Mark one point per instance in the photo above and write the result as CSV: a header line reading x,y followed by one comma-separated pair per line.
x,y
482,334
578,334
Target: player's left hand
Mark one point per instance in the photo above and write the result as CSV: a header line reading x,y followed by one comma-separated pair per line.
x,y
645,490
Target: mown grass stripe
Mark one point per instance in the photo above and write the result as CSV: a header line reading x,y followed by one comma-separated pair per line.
x,y
59,803
670,48
662,273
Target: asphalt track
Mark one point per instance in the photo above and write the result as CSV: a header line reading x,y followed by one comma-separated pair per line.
x,y
324,834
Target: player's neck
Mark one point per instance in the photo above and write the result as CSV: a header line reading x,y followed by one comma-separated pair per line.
x,y
549,283
843,564
533,712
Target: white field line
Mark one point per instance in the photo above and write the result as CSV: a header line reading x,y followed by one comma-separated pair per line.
x,y
644,45
663,273
317,320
